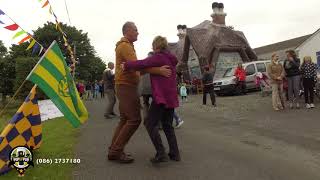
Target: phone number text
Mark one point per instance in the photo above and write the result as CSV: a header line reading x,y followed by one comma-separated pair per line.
x,y
58,161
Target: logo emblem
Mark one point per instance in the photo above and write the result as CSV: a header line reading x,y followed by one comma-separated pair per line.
x,y
63,88
21,158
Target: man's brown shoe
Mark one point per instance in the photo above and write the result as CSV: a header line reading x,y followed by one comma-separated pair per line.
x,y
123,158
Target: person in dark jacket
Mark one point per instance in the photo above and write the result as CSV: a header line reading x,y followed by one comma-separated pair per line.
x,y
101,89
291,66
108,81
207,80
88,91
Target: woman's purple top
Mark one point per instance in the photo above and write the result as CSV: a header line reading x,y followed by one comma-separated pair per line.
x,y
164,89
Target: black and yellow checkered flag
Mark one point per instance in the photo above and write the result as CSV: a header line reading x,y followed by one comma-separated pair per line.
x,y
24,129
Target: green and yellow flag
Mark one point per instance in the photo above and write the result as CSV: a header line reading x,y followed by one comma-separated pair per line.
x,y
53,76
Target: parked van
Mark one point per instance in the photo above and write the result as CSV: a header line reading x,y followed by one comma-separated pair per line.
x,y
227,84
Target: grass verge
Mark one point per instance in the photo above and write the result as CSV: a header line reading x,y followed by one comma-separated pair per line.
x,y
58,140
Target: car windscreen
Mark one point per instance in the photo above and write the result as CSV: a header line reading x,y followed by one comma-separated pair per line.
x,y
229,72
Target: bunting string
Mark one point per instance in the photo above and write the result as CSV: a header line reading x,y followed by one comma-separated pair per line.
x,y
14,27
58,27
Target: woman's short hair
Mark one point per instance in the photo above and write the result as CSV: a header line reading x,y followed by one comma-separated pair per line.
x,y
307,58
291,53
160,43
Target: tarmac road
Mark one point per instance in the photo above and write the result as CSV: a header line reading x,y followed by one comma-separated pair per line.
x,y
241,139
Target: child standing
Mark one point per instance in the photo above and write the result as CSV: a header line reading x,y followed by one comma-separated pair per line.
x,y
96,90
183,92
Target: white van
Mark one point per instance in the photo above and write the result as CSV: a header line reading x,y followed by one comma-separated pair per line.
x,y
227,84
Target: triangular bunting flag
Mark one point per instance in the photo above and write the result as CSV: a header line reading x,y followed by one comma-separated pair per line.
x,y
35,48
18,34
1,22
50,10
12,27
24,39
1,12
45,4
31,44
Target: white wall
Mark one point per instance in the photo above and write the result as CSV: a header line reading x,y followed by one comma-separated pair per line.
x,y
310,47
281,53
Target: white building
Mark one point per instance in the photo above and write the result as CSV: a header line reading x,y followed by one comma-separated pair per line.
x,y
310,47
265,52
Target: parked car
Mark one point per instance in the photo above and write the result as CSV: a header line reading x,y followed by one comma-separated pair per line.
x,y
227,84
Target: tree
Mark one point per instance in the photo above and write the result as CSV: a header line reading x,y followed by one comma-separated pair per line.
x,y
23,66
89,68
3,50
7,73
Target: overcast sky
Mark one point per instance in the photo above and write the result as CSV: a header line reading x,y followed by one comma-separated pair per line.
x,y
262,21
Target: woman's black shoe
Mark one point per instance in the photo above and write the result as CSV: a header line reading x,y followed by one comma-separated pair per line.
x,y
174,157
159,159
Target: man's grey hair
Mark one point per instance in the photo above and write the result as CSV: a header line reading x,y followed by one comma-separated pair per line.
x,y
126,26
110,63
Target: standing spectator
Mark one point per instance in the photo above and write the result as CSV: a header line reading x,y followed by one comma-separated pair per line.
x,y
208,88
95,89
81,89
309,74
183,92
240,74
276,74
108,81
291,66
101,89
88,90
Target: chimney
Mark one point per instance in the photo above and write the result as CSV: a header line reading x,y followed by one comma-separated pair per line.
x,y
218,15
182,31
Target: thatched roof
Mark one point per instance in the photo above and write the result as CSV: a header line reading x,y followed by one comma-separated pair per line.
x,y
207,36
